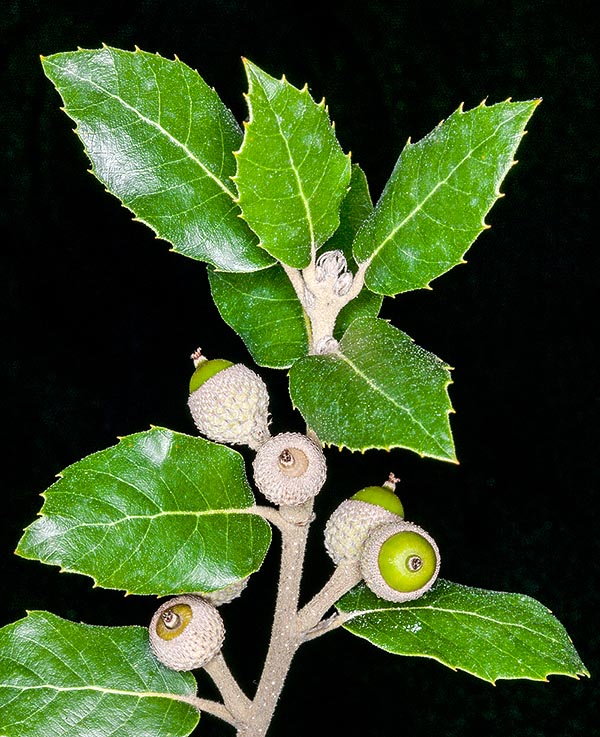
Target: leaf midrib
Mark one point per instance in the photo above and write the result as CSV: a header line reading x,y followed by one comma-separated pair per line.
x,y
295,172
421,204
150,122
393,401
347,616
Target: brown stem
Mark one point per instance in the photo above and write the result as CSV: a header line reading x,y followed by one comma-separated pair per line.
x,y
345,577
235,700
285,635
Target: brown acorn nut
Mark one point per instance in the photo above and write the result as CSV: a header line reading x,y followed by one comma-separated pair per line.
x,y
229,402
289,469
400,561
186,632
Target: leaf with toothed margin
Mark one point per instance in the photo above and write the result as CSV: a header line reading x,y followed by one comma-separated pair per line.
x,y
160,139
264,310
490,634
80,680
158,513
433,207
291,172
379,391
263,307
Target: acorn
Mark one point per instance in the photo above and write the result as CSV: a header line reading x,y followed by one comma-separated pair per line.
x,y
289,468
186,632
350,523
400,561
227,593
229,402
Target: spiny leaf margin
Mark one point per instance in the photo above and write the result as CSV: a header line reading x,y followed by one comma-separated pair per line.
x,y
159,513
461,627
81,680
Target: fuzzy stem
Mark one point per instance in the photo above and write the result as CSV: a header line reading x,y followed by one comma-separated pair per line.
x,y
345,577
285,635
235,700
208,706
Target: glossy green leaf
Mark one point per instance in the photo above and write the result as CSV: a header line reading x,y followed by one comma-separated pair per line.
x,y
433,207
292,174
262,307
380,391
490,634
356,207
160,139
159,513
79,680
264,310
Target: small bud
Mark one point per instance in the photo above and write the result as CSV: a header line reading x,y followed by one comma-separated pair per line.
x,y
228,593
343,284
330,265
327,345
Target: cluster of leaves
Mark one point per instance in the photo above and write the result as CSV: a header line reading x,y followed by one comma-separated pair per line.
x,y
254,205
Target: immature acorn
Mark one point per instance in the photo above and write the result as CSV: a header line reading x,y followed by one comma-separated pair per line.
x,y
289,468
186,632
229,402
351,522
400,561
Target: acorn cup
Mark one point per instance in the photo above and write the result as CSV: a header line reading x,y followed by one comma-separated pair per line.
x,y
351,522
229,402
289,469
400,561
186,632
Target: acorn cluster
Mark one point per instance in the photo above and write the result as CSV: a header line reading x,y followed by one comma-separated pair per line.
x,y
399,561
230,404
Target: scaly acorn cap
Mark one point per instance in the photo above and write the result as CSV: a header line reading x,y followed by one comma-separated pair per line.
x,y
349,525
230,406
186,632
228,593
400,561
289,468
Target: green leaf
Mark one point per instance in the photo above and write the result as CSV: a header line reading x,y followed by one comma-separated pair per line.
x,y
292,174
79,680
264,310
489,634
262,307
355,209
380,391
159,513
160,139
434,204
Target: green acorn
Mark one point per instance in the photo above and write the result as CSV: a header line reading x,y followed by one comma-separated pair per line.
x,y
229,402
186,632
352,521
400,561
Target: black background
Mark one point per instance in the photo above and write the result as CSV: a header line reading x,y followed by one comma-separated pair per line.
x,y
99,319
